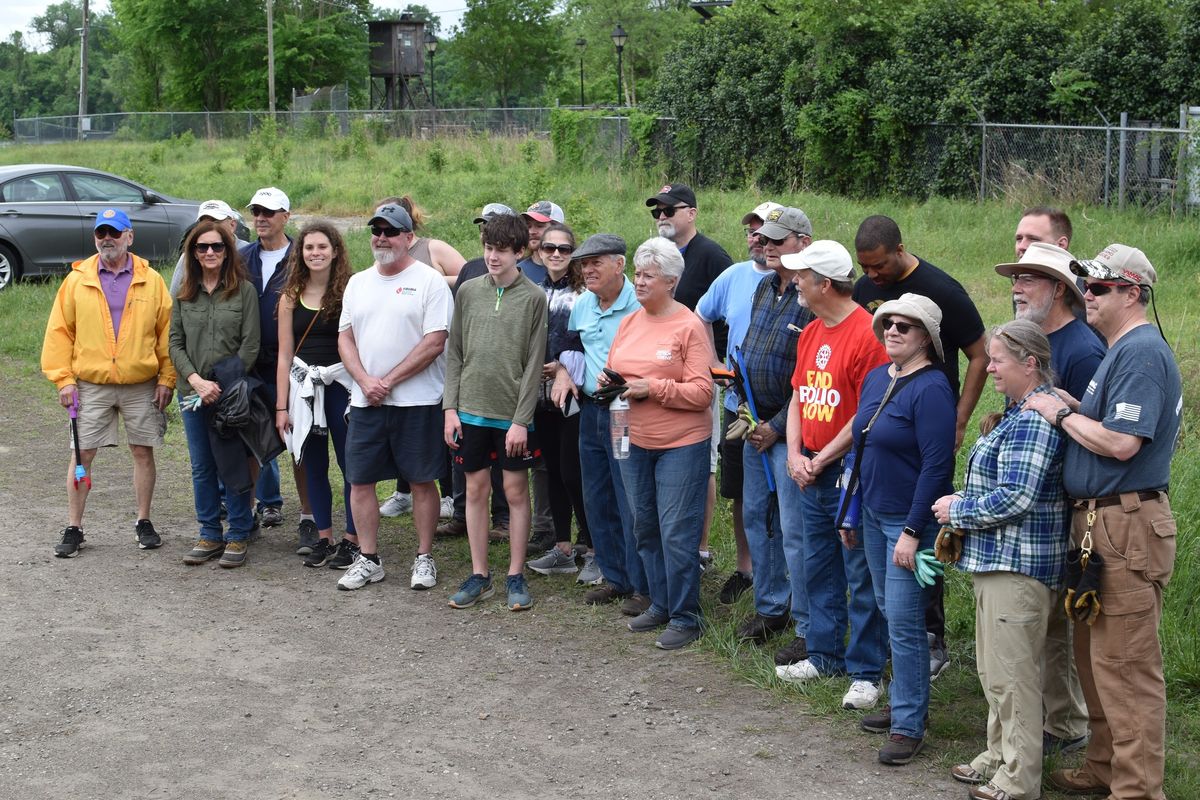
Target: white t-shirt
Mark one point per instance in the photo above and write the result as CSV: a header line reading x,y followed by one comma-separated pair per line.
x,y
270,262
390,315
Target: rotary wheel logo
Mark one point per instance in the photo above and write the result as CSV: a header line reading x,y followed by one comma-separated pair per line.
x,y
823,356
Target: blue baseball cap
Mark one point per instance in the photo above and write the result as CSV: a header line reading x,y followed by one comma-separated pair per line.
x,y
113,218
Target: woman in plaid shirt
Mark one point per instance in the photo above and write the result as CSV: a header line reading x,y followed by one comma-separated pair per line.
x,y
1016,519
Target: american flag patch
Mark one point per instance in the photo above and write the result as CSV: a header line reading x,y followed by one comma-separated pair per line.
x,y
1127,411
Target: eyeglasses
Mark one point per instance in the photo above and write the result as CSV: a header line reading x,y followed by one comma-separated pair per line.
x,y
388,232
1101,288
105,232
209,247
550,249
902,328
266,213
764,240
665,211
1029,277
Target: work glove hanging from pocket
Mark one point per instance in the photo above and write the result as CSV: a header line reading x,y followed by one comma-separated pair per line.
x,y
1084,571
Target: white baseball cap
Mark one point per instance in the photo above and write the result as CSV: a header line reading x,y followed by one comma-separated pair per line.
x,y
271,198
218,210
824,257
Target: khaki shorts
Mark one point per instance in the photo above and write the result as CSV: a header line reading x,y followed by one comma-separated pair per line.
x,y
99,404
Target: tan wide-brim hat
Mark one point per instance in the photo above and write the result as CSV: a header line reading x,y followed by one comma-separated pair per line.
x,y
1045,259
913,306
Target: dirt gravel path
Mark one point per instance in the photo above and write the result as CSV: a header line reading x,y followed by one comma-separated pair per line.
x,y
124,674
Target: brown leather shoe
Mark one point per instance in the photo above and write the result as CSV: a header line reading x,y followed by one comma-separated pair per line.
x,y
635,605
453,527
498,533
1076,781
965,773
602,595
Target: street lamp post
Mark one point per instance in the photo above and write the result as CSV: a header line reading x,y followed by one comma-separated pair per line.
x,y
431,44
619,37
581,43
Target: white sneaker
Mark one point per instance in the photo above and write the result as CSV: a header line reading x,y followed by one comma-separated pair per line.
x,y
799,672
399,503
590,575
447,509
424,572
862,694
361,572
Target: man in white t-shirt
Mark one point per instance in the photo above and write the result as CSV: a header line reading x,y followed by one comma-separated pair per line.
x,y
394,325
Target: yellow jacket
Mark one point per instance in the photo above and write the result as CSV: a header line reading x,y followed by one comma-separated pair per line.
x,y
80,345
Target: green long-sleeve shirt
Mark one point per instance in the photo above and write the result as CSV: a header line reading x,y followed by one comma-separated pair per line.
x,y
496,350
208,328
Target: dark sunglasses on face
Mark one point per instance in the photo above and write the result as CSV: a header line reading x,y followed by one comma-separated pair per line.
x,y
1101,288
386,233
764,240
259,211
666,211
902,328
105,232
206,247
549,249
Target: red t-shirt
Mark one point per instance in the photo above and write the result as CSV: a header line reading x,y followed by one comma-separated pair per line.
x,y
831,364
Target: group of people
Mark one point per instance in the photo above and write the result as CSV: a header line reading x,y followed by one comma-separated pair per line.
x,y
832,401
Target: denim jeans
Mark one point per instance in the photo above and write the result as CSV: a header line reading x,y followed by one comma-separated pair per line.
x,y
606,504
831,571
770,554
316,460
666,490
902,601
207,489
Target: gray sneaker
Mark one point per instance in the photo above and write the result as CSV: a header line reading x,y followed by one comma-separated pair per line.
x,y
590,575
554,562
307,537
939,659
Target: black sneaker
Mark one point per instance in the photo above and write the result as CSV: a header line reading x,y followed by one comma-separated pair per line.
x,y
877,722
147,537
347,554
71,543
320,554
734,587
542,541
793,653
307,537
271,516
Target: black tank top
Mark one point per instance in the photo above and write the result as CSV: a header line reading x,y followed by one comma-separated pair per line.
x,y
320,346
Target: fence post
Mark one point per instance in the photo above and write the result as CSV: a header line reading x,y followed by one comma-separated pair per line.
x,y
982,157
1121,161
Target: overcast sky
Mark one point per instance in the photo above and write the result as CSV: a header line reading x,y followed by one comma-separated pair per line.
x,y
15,15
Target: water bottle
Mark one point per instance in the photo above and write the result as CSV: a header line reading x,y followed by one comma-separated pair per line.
x,y
618,419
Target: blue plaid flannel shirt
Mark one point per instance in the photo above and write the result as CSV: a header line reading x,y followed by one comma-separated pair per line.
x,y
1013,509
769,348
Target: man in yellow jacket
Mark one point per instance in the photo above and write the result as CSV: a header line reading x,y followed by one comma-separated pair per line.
x,y
106,349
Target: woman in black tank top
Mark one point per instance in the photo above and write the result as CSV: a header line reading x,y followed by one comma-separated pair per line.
x,y
310,306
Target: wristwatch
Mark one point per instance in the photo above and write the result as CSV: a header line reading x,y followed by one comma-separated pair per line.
x,y
910,532
1062,414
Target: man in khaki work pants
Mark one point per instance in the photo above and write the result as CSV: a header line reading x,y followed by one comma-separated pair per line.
x,y
1117,466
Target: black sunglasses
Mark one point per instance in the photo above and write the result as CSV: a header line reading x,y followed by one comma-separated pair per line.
x,y
1101,288
565,249
388,232
763,240
902,328
259,211
105,232
205,247
665,211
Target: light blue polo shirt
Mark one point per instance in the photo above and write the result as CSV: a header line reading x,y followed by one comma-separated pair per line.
x,y
597,328
731,298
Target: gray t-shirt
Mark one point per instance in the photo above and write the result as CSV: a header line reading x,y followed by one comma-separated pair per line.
x,y
1136,390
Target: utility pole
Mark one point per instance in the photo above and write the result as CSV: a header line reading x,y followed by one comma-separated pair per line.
x,y
83,61
271,56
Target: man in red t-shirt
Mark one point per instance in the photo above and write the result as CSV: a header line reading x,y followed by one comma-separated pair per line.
x,y
833,356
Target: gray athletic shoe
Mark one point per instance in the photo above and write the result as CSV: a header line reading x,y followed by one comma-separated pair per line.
x,y
554,562
590,575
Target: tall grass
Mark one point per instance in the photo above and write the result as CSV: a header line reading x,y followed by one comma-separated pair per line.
x,y
453,178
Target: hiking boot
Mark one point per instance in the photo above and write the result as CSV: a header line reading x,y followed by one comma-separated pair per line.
x,y
347,554
554,562
590,575
602,595
361,572
475,588
861,695
676,638
519,598
234,555
455,527
498,533
900,749
270,516
878,722
1076,781
399,503
203,550
735,586
71,542
759,628
635,605
147,537
424,572
799,672
306,537
648,621
793,652
322,551
1054,745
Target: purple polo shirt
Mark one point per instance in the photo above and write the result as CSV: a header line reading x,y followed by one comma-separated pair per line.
x,y
115,286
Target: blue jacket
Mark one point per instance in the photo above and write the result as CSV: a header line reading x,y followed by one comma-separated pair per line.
x,y
268,298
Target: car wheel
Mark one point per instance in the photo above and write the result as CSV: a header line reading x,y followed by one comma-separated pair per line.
x,y
9,267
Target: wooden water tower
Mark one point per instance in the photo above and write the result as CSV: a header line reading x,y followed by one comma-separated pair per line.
x,y
398,56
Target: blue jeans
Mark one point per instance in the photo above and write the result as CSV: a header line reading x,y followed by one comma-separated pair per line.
x,y
902,601
770,554
206,487
831,571
606,505
316,460
666,491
